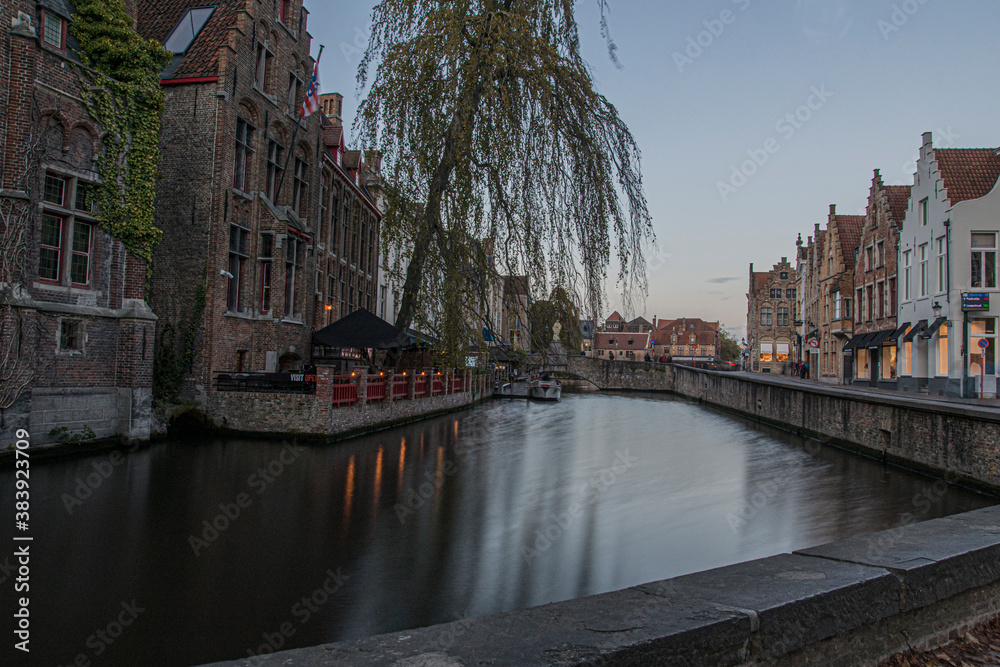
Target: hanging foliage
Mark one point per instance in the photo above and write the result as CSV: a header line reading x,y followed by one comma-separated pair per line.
x,y
121,91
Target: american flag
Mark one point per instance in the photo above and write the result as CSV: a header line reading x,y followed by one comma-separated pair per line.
x,y
311,104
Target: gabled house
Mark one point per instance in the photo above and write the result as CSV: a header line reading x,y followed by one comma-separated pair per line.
x,y
622,346
686,339
772,300
615,323
873,347
836,292
949,291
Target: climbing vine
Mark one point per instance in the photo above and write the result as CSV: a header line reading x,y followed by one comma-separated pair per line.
x,y
170,366
122,93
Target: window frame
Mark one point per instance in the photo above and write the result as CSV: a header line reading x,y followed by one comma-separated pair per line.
x,y
44,33
978,278
244,154
70,219
238,257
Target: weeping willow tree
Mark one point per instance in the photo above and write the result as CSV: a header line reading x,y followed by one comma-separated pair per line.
x,y
499,158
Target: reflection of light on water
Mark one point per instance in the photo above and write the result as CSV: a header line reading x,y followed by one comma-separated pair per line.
x,y
349,492
456,429
402,463
378,481
438,477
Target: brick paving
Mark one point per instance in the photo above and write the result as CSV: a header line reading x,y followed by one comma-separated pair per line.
x,y
977,647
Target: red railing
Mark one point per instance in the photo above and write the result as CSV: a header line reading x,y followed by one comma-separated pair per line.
x,y
437,387
420,386
376,388
400,387
345,391
456,386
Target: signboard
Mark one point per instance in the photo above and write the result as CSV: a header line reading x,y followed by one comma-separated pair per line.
x,y
814,343
975,301
984,343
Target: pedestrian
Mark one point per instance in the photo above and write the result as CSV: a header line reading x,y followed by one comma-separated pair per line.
x,y
648,358
805,371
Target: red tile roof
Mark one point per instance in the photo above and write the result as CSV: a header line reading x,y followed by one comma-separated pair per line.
x,y
899,201
615,317
687,324
968,173
156,19
849,234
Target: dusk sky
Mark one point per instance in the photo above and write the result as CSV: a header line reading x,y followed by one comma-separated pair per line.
x,y
707,86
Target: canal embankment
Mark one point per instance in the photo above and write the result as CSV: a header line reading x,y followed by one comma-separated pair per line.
x,y
851,602
956,441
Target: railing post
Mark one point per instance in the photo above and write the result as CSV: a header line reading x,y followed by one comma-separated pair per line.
x,y
449,382
324,383
411,390
363,389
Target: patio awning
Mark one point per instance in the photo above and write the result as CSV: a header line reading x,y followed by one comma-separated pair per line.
x,y
361,330
917,328
879,337
933,328
855,342
898,332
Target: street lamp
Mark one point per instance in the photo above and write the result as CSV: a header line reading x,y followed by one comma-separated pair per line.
x,y
937,309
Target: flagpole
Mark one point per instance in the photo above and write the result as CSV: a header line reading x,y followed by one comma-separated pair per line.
x,y
295,134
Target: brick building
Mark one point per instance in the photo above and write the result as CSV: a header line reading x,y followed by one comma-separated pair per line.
x,y
836,292
687,339
72,304
269,229
771,314
621,346
874,343
809,256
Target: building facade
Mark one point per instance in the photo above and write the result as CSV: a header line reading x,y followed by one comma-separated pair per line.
x,y
809,257
771,314
948,249
687,339
873,347
836,294
75,330
622,346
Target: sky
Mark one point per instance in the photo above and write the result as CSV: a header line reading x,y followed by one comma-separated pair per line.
x,y
753,116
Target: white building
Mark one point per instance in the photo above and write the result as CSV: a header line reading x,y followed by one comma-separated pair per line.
x,y
947,249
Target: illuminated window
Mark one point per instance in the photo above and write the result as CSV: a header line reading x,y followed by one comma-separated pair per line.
x,y
767,352
942,349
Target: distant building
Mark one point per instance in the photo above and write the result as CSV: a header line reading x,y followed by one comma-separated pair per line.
x,y
687,339
873,345
808,260
587,332
949,248
771,314
614,323
639,325
516,301
622,346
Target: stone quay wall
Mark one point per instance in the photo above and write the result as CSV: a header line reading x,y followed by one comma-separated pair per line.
x,y
957,441
852,602
319,416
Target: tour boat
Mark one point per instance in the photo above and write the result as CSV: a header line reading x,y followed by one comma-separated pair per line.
x,y
545,390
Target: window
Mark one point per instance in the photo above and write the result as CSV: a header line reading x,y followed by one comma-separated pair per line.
x,y
880,254
864,365
284,12
782,317
324,195
908,358
907,282
922,213
984,259
924,267
765,316
241,361
869,303
888,364
880,290
187,30
266,257
791,293
869,258
274,150
942,351
847,309
784,275
79,264
238,254
893,306
71,336
265,59
983,329
299,187
293,92
55,190
53,30
767,352
861,301
383,298
244,153
294,257
775,293
942,266
51,247
782,354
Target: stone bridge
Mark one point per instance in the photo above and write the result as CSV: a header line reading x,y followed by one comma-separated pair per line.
x,y
614,375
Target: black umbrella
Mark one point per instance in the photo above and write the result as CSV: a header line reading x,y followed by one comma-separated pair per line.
x,y
361,330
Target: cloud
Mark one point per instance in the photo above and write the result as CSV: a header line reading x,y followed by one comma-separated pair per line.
x,y
721,281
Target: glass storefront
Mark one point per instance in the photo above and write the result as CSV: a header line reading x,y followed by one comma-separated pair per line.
x,y
888,364
983,329
864,368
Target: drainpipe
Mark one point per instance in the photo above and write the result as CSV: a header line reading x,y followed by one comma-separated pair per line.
x,y
965,316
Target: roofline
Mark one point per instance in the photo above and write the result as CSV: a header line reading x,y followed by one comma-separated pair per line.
x,y
195,79
347,177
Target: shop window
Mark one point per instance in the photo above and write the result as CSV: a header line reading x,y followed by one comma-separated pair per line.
x,y
766,352
983,329
864,370
782,352
942,351
908,358
888,365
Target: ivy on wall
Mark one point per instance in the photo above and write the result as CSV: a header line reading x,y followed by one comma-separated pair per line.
x,y
122,93
170,365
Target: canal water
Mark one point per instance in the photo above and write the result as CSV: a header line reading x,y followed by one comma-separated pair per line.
x,y
189,552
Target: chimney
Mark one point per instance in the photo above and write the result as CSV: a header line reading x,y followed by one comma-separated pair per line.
x,y
333,107
833,210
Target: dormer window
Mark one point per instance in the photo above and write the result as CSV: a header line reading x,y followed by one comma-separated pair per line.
x,y
53,30
187,30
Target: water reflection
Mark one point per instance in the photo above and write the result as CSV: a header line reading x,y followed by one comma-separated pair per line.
x,y
506,506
